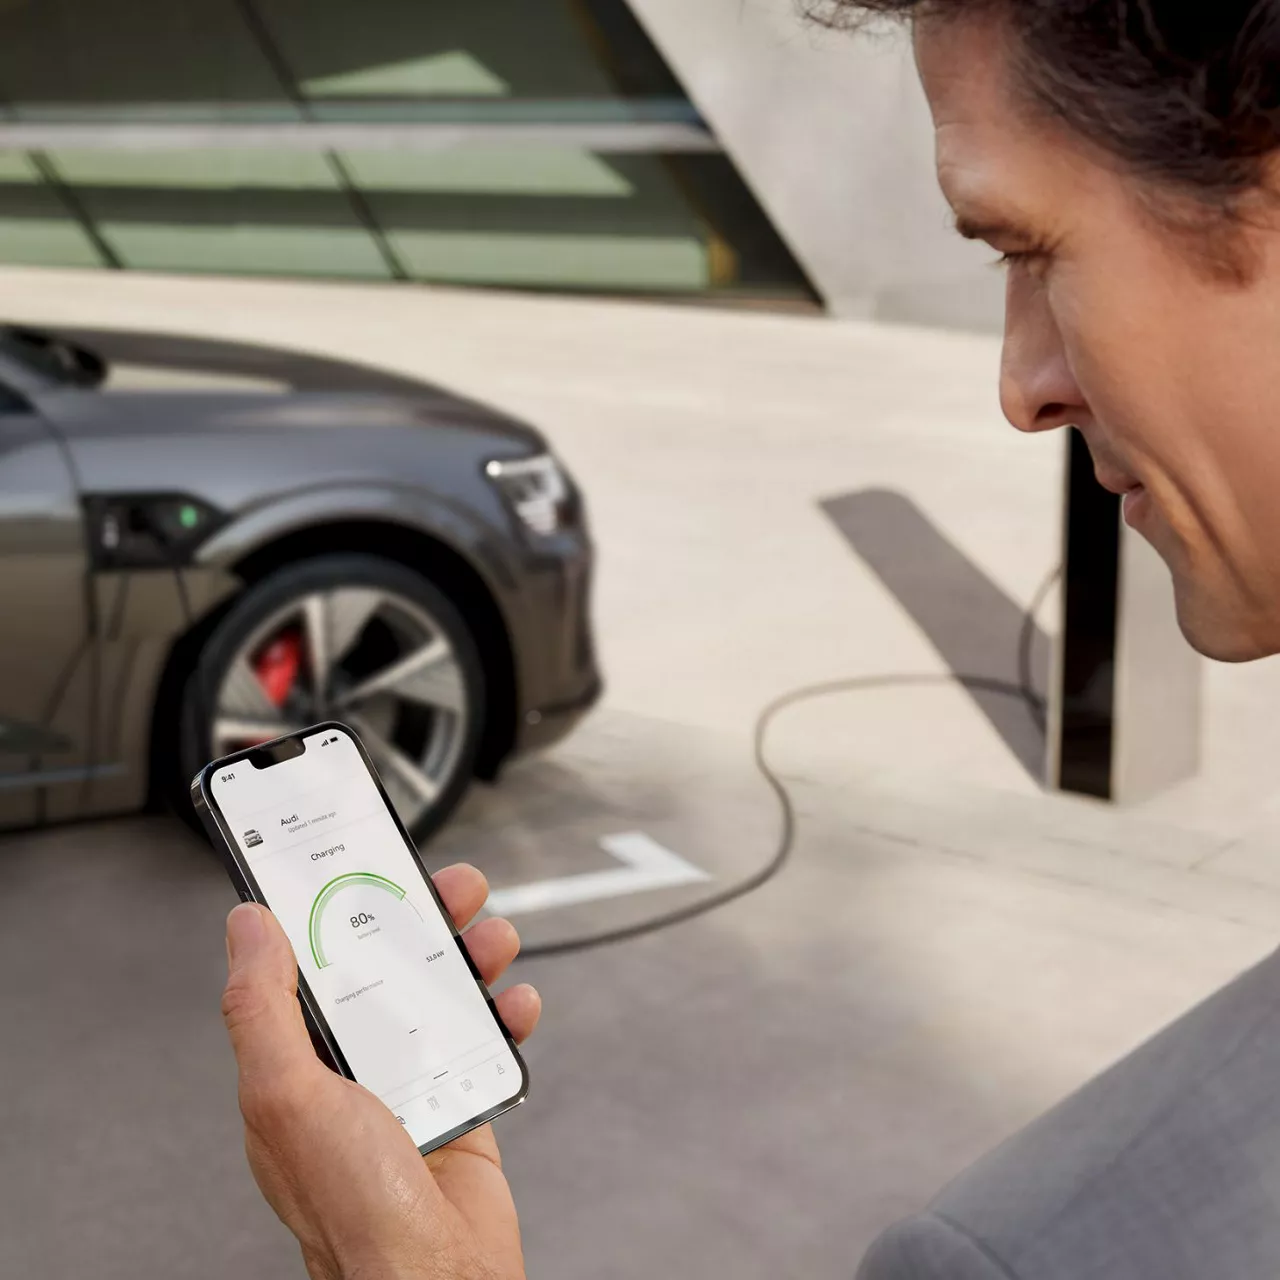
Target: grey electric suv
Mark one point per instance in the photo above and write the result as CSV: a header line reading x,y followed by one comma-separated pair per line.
x,y
206,544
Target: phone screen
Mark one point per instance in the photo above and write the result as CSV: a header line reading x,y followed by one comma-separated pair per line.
x,y
381,962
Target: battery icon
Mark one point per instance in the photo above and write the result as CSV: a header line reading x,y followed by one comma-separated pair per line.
x,y
333,739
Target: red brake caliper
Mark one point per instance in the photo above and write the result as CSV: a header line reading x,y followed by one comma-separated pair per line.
x,y
277,666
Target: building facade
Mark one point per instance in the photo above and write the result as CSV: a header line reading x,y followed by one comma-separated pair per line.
x,y
724,150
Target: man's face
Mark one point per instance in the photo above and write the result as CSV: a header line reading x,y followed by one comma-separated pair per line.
x,y
1116,327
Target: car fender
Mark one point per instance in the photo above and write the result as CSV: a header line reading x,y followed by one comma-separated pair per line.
x,y
404,505
212,580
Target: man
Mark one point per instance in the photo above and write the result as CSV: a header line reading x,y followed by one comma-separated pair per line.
x,y
1123,159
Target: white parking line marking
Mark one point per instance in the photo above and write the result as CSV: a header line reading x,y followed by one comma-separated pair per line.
x,y
647,866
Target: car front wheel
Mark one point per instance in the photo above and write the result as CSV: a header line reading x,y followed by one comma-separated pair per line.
x,y
358,639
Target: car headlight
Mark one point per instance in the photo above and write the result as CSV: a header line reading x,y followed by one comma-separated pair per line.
x,y
537,490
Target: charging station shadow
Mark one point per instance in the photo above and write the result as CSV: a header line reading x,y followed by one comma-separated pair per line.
x,y
968,619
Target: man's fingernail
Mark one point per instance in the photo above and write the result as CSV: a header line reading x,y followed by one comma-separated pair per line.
x,y
245,932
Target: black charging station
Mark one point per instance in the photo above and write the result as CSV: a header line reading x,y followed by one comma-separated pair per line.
x,y
1124,716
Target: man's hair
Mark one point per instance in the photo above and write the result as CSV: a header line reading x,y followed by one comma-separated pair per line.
x,y
1185,92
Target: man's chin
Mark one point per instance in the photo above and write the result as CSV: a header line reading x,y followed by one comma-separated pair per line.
x,y
1218,632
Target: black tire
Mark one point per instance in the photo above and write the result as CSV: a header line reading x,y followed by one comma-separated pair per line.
x,y
295,581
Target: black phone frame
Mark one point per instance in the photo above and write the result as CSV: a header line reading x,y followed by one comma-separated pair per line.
x,y
242,878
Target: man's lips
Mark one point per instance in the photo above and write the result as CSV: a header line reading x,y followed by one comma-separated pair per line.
x,y
1116,481
1132,491
1123,485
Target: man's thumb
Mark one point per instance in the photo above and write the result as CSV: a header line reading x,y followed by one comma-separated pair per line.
x,y
260,1001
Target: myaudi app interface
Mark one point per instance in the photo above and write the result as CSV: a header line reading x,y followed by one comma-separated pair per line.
x,y
378,956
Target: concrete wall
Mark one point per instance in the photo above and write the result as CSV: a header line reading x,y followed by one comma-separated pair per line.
x,y
832,132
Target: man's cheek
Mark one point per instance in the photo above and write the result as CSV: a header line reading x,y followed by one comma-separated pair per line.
x,y
1111,382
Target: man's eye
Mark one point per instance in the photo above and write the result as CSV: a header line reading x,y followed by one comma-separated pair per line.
x,y
1032,260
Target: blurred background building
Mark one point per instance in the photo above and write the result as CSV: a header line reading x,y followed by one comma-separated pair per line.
x,y
721,151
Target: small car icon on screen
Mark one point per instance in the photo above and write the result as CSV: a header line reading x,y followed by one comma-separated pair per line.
x,y
252,838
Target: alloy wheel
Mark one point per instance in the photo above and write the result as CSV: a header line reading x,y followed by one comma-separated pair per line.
x,y
366,656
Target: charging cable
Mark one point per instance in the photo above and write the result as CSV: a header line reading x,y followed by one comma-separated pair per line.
x,y
1023,691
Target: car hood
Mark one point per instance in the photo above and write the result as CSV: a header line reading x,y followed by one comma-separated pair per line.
x,y
165,382
173,414
331,423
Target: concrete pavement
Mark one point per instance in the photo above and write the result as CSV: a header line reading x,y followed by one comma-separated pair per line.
x,y
758,1092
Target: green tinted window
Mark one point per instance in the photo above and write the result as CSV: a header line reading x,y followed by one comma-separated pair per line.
x,y
526,163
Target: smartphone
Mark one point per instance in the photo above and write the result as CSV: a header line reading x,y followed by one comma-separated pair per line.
x,y
385,982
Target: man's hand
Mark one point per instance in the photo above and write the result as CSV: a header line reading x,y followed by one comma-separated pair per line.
x,y
331,1160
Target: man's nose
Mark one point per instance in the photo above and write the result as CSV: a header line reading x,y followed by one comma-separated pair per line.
x,y
1038,391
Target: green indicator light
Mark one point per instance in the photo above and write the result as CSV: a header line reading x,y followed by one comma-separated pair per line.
x,y
189,516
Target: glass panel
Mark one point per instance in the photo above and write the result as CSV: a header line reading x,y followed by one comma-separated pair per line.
x,y
242,211
180,211
200,170
623,48
539,216
35,228
438,210
247,249
749,255
489,171
454,74
16,166
98,51
43,239
530,259
516,48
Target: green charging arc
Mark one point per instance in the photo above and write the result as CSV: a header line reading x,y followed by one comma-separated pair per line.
x,y
330,891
